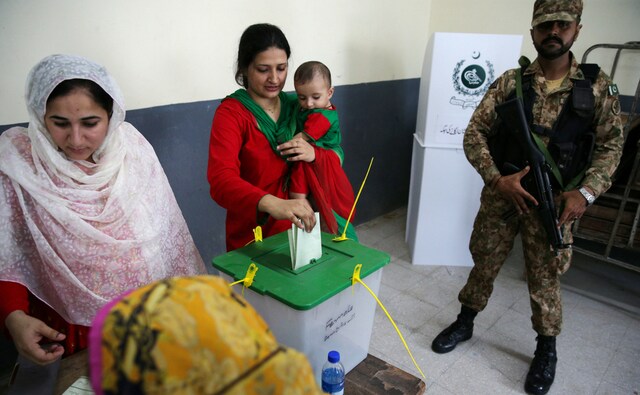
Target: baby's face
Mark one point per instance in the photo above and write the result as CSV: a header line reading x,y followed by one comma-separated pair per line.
x,y
314,94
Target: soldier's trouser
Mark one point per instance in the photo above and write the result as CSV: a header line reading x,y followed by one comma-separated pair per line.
x,y
492,239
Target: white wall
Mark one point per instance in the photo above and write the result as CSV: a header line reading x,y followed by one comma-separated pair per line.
x,y
165,51
603,21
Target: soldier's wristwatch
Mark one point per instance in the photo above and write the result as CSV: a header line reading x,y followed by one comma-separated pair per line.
x,y
587,195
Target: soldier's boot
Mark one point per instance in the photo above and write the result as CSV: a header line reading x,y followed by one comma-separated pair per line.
x,y
543,367
461,330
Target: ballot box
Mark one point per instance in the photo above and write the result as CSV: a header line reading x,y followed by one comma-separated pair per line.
x,y
314,309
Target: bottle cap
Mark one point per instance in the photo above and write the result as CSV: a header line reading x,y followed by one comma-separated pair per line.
x,y
334,356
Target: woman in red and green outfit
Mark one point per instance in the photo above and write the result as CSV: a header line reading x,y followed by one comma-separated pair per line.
x,y
251,145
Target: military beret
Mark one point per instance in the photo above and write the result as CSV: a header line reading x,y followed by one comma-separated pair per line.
x,y
556,10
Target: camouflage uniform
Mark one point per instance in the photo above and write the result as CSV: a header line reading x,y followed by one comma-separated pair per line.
x,y
492,238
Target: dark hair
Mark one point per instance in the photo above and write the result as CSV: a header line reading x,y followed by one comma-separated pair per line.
x,y
94,90
308,70
255,39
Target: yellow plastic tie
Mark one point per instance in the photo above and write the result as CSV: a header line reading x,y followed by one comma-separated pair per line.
x,y
248,278
257,235
356,278
343,236
356,274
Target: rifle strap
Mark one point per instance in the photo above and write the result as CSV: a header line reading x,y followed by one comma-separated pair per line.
x,y
548,158
524,63
541,146
573,184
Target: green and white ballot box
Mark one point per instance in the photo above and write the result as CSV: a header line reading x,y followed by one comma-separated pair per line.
x,y
314,309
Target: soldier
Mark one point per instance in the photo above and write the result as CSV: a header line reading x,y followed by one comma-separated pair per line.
x,y
574,110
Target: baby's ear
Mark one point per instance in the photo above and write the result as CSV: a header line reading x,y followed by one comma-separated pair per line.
x,y
330,92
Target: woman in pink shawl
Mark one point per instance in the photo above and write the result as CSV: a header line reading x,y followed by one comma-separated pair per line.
x,y
86,211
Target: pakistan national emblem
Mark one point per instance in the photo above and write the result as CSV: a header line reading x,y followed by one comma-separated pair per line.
x,y
471,80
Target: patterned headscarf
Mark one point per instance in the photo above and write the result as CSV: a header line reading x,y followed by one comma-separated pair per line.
x,y
78,233
191,336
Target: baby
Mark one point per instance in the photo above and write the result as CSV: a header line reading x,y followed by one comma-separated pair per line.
x,y
326,184
317,119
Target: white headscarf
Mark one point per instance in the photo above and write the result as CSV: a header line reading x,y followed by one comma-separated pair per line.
x,y
76,233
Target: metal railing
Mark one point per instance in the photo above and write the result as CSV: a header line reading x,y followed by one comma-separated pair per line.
x,y
629,195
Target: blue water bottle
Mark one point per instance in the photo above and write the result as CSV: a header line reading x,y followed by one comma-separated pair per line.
x,y
333,375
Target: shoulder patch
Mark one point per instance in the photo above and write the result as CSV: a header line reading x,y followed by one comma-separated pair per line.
x,y
613,90
615,106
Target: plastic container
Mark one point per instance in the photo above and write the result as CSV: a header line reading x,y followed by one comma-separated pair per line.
x,y
313,309
333,375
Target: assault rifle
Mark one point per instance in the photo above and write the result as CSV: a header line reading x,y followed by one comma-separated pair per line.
x,y
536,182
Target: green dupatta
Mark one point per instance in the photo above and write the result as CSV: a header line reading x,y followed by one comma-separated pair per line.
x,y
275,132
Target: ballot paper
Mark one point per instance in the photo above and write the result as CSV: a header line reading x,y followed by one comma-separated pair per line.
x,y
82,386
304,246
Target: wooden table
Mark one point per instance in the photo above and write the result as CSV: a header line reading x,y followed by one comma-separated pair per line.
x,y
375,376
71,368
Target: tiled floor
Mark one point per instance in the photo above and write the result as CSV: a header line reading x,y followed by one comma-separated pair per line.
x,y
598,350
